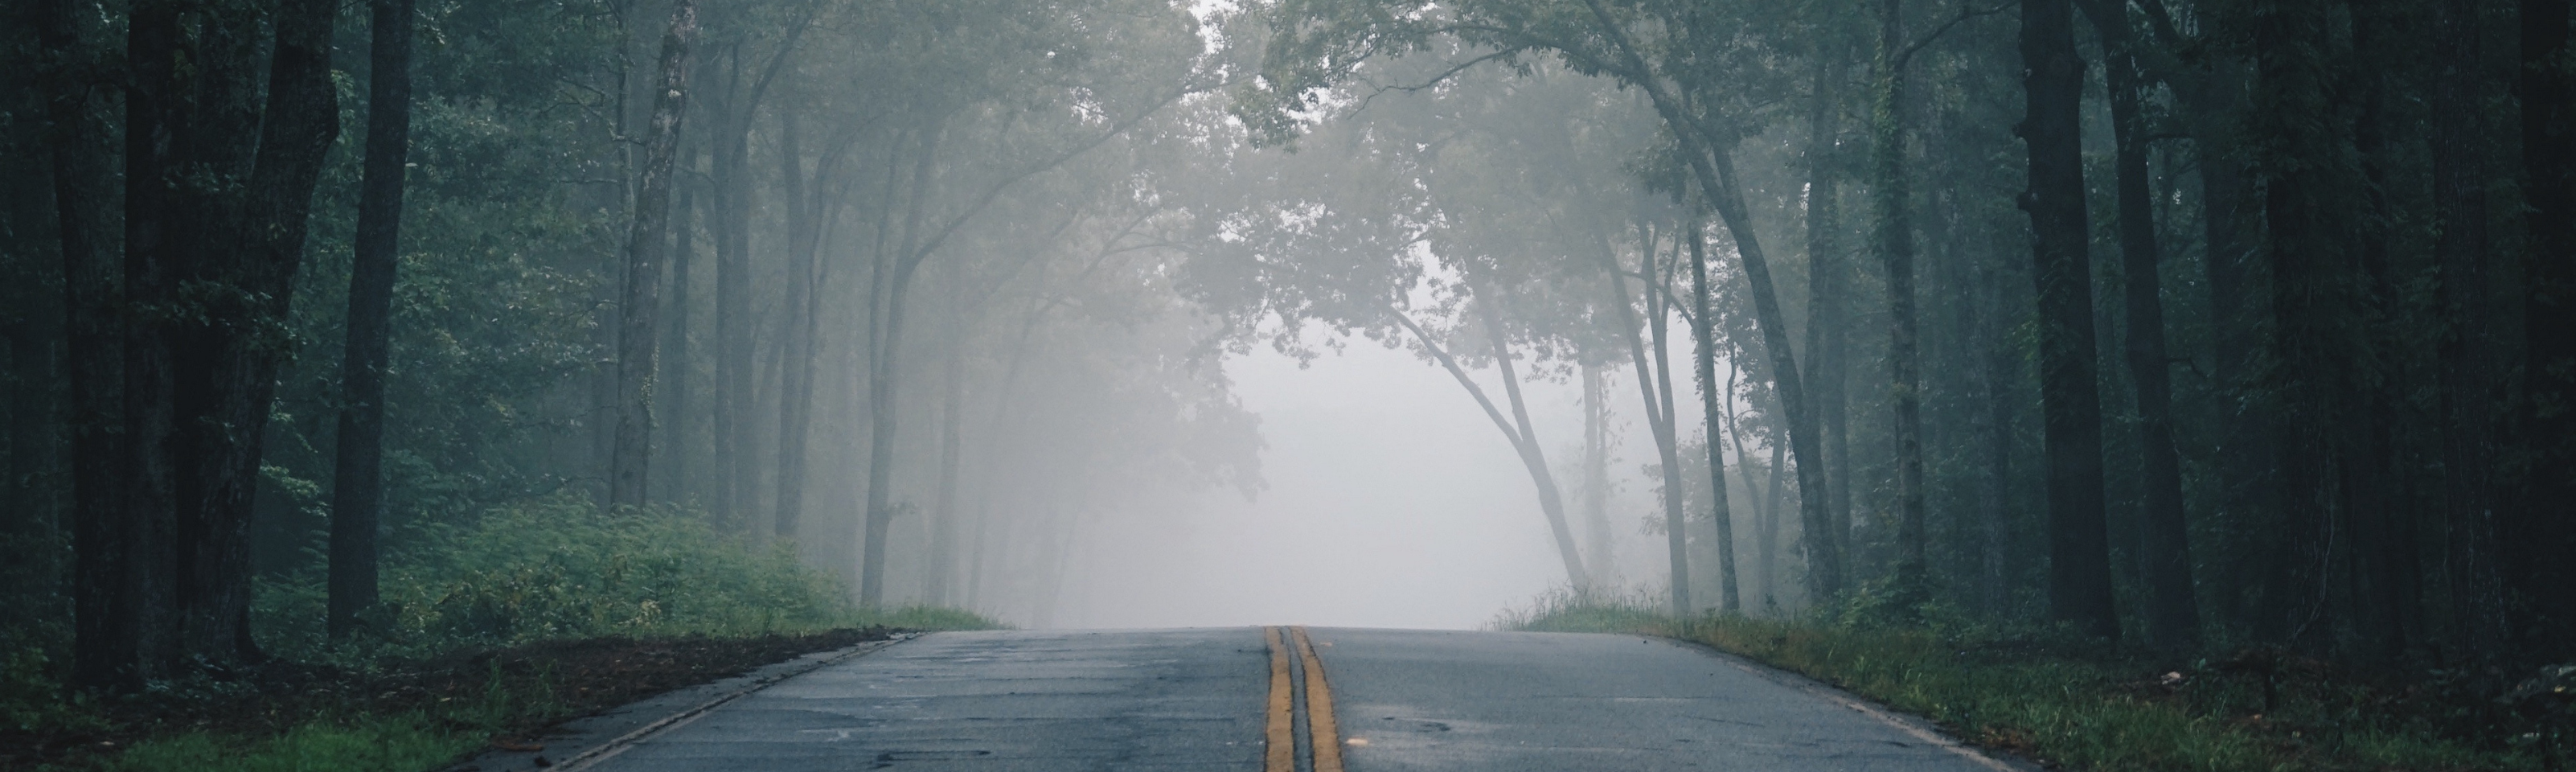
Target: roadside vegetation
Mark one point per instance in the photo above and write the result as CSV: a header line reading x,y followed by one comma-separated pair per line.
x,y
2066,702
534,613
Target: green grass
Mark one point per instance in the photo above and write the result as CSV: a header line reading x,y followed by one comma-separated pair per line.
x,y
559,567
925,618
2055,700
521,575
407,742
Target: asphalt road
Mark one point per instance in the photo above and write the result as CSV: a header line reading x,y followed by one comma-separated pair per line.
x,y
1226,699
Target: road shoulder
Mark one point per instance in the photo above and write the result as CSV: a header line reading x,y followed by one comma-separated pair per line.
x,y
578,743
1921,728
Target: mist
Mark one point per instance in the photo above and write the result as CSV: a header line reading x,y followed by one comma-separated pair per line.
x,y
1391,503
447,325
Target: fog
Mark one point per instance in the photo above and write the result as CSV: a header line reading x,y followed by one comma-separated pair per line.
x,y
1392,502
646,318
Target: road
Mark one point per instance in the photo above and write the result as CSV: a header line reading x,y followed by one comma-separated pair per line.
x,y
1250,699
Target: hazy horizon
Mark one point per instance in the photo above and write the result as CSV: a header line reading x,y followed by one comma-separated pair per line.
x,y
1392,502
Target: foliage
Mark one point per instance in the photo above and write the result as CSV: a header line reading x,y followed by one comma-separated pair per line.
x,y
516,578
410,742
399,740
1563,610
560,567
31,693
2050,696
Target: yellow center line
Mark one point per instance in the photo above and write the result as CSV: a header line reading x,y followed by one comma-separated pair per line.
x,y
1280,744
1320,729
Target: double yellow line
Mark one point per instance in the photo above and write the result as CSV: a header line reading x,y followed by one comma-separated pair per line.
x,y
1322,736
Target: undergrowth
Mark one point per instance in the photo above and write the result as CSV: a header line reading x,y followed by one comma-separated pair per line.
x,y
560,567
412,741
2070,704
516,579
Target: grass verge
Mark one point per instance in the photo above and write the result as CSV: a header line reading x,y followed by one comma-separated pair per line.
x,y
411,715
534,613
2067,704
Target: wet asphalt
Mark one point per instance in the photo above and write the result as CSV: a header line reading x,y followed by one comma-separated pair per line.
x,y
1197,700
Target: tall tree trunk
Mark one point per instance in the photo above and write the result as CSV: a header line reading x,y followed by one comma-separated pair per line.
x,y
1904,330
1766,525
1550,501
736,399
1823,538
2467,352
33,513
1659,314
796,376
1772,493
2001,358
1596,477
1826,555
676,357
193,419
2543,532
1659,333
2244,459
952,406
2079,541
731,422
2382,560
894,277
1704,333
2247,457
2213,96
1005,422
103,549
226,375
2173,613
136,617
1828,339
1658,415
357,478
637,343
2310,205
196,141
1828,284
1533,454
1710,157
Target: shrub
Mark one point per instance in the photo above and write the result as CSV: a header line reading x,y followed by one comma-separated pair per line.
x,y
560,567
2075,705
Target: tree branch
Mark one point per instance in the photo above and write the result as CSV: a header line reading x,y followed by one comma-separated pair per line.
x,y
1500,422
1966,11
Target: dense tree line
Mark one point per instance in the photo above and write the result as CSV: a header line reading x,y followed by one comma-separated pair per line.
x,y
2225,322
660,253
2199,323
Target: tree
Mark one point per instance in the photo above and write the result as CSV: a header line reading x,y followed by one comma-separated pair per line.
x,y
1518,431
2539,533
808,201
1828,282
638,341
357,489
1147,90
105,579
220,172
1712,412
2173,613
1654,386
2079,547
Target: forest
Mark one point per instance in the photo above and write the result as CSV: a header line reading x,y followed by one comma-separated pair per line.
x,y
2190,326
